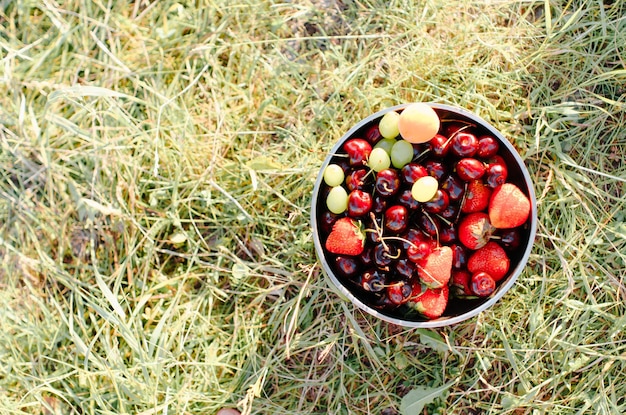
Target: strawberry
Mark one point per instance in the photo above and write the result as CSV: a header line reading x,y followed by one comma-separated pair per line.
x,y
476,197
460,283
483,284
508,207
475,230
346,238
430,302
435,269
492,259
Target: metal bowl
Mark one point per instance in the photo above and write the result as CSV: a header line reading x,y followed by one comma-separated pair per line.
x,y
457,310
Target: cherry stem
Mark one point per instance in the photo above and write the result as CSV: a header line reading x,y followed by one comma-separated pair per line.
x,y
397,238
458,214
379,231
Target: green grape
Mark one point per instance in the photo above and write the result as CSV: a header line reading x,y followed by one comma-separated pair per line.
x,y
378,160
386,144
337,200
401,153
388,125
424,189
333,175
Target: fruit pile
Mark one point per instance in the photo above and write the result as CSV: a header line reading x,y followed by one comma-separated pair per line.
x,y
418,213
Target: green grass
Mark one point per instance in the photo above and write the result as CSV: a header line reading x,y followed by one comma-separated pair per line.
x,y
157,162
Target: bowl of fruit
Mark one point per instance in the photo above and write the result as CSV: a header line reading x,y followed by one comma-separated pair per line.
x,y
423,215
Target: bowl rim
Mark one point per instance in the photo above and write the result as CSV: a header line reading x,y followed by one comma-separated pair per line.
x,y
442,321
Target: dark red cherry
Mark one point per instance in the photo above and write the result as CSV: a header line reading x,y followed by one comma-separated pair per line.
x,y
419,251
510,239
327,220
407,200
405,268
438,203
451,212
460,256
497,159
359,203
482,284
382,301
358,151
372,134
411,172
373,280
387,182
447,233
496,174
454,186
384,254
488,146
435,168
357,179
429,224
371,230
366,257
469,169
379,204
464,144
396,219
439,145
348,267
399,292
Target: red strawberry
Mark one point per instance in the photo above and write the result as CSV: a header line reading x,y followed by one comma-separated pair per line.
x,y
492,259
434,271
460,283
476,197
508,207
346,238
483,284
475,230
430,302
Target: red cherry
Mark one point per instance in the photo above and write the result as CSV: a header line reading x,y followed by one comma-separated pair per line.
x,y
387,182
372,134
429,224
496,174
438,203
379,204
439,145
357,179
405,268
454,186
460,256
470,169
327,220
510,239
435,168
411,172
448,234
488,146
464,144
373,280
396,219
359,203
399,292
419,251
407,200
347,267
358,151
483,284
366,257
